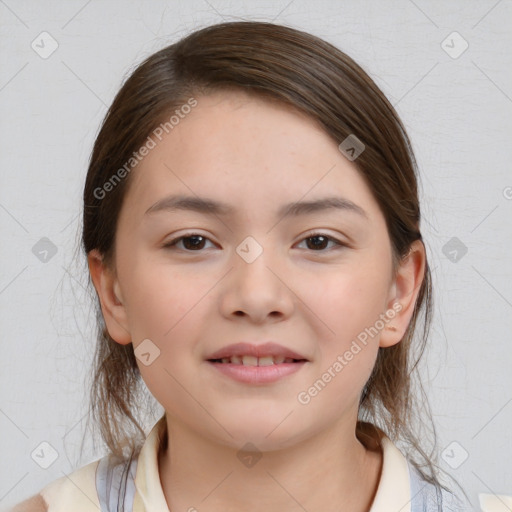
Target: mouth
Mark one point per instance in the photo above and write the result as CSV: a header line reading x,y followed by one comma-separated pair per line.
x,y
247,360
256,364
262,354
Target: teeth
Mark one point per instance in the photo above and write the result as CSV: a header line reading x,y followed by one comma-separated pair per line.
x,y
265,361
249,361
255,361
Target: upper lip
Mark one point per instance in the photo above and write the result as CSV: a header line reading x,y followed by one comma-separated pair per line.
x,y
247,349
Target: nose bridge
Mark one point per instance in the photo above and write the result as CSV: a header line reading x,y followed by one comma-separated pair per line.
x,y
255,260
250,250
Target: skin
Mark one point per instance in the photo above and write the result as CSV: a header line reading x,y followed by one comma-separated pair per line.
x,y
255,156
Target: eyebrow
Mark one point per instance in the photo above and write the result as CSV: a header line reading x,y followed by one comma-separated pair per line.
x,y
212,207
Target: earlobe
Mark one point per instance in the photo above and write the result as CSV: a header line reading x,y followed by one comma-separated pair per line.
x,y
403,295
111,300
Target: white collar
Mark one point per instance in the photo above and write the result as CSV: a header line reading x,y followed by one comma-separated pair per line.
x,y
393,491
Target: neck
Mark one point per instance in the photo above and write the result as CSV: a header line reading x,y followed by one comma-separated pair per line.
x,y
331,471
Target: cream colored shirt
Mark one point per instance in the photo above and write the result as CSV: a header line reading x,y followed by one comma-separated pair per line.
x,y
77,491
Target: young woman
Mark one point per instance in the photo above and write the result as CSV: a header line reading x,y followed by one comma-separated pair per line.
x,y
252,229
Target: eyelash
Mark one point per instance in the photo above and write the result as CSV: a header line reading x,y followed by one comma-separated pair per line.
x,y
175,241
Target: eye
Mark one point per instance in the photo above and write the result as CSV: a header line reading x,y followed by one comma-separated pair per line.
x,y
194,242
191,241
320,240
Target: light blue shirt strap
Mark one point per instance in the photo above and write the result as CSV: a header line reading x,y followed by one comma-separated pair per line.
x,y
426,497
115,484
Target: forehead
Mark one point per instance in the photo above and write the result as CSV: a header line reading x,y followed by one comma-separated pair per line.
x,y
246,151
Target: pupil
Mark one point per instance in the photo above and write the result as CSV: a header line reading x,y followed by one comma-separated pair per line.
x,y
321,244
193,245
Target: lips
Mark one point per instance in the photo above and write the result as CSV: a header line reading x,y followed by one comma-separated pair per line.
x,y
263,350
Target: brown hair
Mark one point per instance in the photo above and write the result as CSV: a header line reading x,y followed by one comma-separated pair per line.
x,y
306,73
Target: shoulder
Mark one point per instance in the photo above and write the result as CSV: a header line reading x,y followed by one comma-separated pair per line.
x,y
34,504
76,491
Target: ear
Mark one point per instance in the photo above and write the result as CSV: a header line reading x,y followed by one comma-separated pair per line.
x,y
404,291
111,300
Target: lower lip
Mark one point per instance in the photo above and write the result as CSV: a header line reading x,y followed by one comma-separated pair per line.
x,y
257,374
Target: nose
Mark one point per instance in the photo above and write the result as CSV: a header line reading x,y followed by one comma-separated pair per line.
x,y
256,289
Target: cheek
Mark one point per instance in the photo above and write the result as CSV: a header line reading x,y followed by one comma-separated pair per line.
x,y
157,293
350,299
168,305
349,302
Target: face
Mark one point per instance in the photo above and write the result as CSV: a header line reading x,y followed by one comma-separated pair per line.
x,y
311,280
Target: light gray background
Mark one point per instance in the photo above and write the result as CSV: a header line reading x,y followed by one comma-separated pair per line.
x,y
457,112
